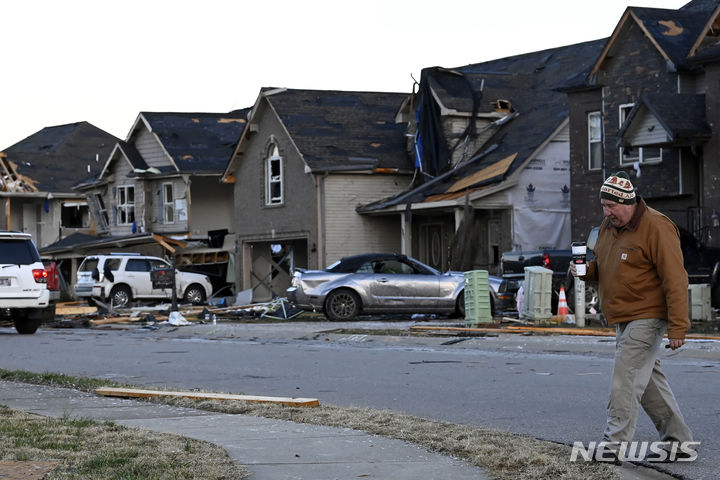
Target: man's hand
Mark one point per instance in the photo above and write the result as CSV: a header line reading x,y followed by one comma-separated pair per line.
x,y
573,269
676,343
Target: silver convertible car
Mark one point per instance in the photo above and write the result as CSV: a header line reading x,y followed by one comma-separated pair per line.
x,y
377,283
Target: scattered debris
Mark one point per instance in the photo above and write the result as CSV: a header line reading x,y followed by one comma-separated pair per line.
x,y
176,318
80,314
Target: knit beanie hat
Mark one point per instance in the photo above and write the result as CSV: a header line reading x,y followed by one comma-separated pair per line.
x,y
617,188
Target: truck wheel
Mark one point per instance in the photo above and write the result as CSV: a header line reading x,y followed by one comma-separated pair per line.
x,y
48,314
120,296
25,325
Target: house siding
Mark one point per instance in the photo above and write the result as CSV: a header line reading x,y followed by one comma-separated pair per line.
x,y
648,131
150,149
211,206
348,233
584,183
154,206
256,223
710,173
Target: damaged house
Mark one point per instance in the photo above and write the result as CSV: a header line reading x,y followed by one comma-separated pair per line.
x,y
158,193
37,176
649,105
492,152
305,162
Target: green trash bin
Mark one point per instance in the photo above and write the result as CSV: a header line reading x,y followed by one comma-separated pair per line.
x,y
477,298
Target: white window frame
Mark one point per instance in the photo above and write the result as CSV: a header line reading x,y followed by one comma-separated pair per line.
x,y
274,177
126,204
168,203
641,154
594,140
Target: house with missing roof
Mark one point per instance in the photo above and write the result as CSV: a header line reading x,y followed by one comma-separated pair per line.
x,y
37,176
306,161
158,192
492,148
648,105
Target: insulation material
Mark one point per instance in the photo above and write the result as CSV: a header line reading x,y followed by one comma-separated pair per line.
x,y
541,216
536,230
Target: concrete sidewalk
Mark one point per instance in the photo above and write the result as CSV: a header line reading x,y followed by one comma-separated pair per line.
x,y
270,449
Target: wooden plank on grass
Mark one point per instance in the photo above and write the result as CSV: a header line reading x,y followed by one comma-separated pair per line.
x,y
138,393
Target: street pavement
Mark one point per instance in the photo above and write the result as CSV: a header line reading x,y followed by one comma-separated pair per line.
x,y
270,449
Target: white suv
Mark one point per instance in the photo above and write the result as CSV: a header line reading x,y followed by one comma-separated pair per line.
x,y
24,294
119,278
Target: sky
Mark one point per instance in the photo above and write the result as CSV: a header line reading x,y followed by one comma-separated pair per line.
x,y
105,61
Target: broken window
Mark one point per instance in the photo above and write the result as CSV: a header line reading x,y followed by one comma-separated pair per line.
x,y
630,155
99,212
168,203
126,204
274,177
594,140
74,215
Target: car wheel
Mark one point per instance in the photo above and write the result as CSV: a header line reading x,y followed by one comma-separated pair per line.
x,y
120,296
195,294
342,305
592,298
25,325
460,305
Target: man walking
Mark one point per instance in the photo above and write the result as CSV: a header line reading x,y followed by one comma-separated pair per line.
x,y
643,288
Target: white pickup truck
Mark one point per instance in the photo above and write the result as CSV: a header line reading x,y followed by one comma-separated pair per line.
x,y
24,294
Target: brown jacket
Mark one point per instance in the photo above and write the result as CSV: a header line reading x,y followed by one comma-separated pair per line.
x,y
640,272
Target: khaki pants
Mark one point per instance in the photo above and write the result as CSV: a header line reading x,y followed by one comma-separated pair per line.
x,y
637,380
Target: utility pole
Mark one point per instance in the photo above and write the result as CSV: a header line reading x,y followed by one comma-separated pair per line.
x,y
174,307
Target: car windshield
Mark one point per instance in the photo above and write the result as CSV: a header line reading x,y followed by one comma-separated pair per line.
x,y
18,252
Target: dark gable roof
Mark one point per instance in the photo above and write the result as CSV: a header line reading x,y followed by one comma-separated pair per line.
x,y
681,115
131,153
58,157
706,6
530,83
336,130
675,31
198,142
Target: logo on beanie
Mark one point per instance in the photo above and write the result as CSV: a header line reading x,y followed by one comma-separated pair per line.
x,y
618,188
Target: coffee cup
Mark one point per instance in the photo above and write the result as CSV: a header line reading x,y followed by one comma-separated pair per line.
x,y
580,267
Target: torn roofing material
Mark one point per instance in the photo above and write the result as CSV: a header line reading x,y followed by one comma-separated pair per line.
x,y
197,142
529,83
338,130
58,157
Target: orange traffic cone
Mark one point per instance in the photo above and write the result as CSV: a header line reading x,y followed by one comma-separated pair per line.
x,y
562,308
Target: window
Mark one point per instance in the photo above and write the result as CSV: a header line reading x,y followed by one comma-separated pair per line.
x,y
126,204
594,141
74,215
273,177
630,155
137,265
168,203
